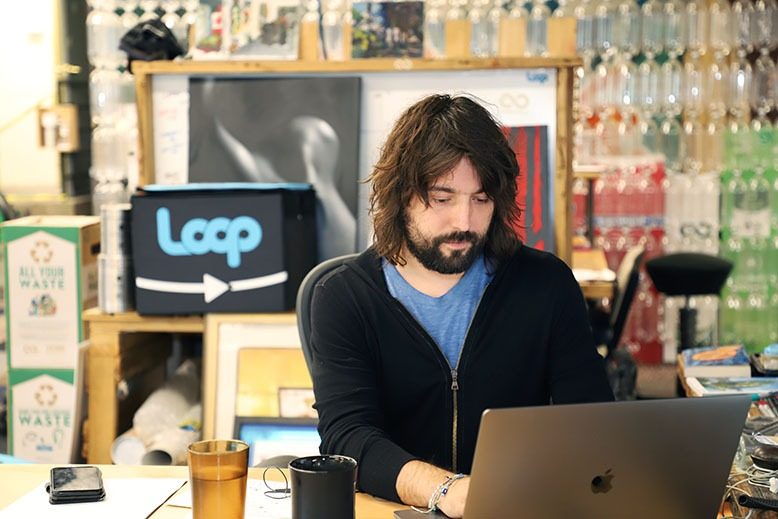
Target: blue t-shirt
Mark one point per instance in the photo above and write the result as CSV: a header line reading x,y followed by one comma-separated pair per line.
x,y
446,318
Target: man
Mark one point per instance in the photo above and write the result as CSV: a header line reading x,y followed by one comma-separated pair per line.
x,y
446,315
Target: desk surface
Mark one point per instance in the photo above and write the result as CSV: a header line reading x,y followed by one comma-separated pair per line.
x,y
17,480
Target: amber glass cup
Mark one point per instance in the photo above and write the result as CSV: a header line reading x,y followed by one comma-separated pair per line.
x,y
218,470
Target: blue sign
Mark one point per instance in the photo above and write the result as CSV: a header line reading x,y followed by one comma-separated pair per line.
x,y
219,235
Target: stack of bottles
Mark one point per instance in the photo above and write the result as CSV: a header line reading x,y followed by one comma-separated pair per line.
x,y
692,225
690,80
629,211
114,170
749,238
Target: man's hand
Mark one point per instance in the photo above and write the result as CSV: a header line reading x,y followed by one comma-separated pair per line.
x,y
453,503
417,481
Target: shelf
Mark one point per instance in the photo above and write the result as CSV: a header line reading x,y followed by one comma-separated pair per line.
x,y
208,67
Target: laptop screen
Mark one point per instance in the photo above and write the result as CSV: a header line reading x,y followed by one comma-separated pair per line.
x,y
269,437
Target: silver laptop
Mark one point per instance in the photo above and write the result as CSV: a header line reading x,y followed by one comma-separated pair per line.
x,y
644,459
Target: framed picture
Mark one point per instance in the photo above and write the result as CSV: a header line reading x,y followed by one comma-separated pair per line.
x,y
277,130
530,143
226,336
387,29
266,29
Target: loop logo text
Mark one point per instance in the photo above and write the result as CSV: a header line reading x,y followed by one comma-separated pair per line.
x,y
200,236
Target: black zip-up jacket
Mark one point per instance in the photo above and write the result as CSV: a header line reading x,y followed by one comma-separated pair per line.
x,y
386,394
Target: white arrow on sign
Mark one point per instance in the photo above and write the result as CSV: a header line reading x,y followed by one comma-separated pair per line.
x,y
211,287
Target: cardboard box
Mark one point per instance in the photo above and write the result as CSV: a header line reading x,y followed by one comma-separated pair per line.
x,y
50,277
222,248
45,411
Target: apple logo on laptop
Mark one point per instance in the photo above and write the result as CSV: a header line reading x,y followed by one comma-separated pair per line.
x,y
603,483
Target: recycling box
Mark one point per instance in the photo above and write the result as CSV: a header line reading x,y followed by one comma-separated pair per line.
x,y
200,248
50,277
45,411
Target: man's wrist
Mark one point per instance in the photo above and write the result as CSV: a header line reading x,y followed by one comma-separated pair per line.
x,y
447,489
440,492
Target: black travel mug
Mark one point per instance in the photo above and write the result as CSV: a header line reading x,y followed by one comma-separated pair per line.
x,y
323,487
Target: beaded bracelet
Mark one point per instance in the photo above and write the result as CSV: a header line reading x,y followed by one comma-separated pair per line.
x,y
438,494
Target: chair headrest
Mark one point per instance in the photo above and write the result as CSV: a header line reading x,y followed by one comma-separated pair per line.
x,y
688,273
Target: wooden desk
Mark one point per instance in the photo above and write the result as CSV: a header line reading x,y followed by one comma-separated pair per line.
x,y
17,480
592,259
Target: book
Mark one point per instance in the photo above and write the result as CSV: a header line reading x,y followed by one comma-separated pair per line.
x,y
755,386
717,361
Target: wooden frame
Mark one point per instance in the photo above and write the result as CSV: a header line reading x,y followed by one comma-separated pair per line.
x,y
565,75
220,357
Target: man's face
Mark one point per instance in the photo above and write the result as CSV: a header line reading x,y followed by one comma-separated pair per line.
x,y
448,236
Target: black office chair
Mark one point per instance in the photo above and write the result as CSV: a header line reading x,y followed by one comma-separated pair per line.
x,y
304,296
688,274
621,367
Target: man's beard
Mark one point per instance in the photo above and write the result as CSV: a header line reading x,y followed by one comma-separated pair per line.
x,y
429,254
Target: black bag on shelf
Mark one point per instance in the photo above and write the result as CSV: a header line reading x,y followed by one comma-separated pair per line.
x,y
150,41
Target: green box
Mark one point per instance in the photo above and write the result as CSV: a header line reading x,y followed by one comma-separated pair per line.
x,y
50,278
44,415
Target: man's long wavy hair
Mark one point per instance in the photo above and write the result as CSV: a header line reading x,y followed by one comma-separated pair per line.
x,y
427,141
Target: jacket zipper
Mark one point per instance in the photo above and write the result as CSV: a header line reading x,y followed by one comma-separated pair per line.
x,y
455,388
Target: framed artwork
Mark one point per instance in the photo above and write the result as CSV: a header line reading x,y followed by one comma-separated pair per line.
x,y
266,29
530,143
292,129
226,335
387,29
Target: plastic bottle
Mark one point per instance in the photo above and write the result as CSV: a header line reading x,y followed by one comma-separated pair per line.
x,y
537,29
332,30
435,28
481,36
104,29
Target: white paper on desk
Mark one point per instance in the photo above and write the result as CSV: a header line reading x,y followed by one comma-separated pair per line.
x,y
258,505
125,498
